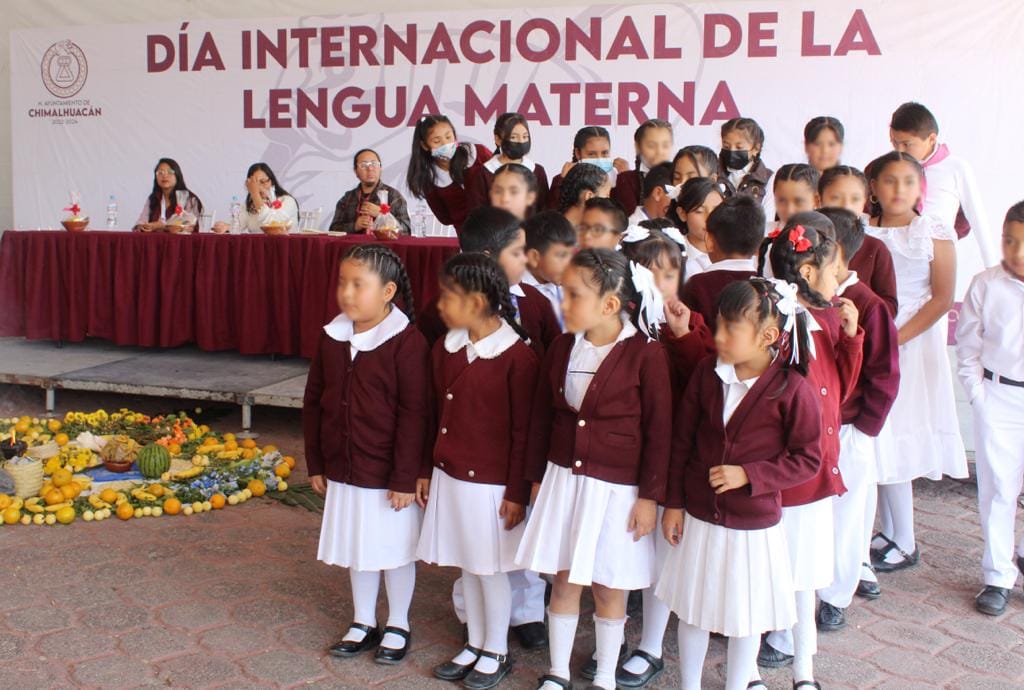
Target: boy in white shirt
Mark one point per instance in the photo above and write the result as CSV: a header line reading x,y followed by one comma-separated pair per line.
x,y
550,243
990,350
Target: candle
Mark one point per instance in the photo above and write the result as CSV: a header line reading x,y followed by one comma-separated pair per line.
x,y
12,435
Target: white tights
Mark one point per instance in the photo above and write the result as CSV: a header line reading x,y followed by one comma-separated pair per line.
x,y
741,658
400,583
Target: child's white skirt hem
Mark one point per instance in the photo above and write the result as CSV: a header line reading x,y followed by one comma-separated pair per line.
x,y
461,527
580,524
360,529
729,581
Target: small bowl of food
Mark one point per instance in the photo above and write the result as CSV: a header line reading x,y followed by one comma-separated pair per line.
x,y
178,227
386,233
75,223
276,228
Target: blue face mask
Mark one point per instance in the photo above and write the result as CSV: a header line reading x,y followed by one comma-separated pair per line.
x,y
446,151
603,163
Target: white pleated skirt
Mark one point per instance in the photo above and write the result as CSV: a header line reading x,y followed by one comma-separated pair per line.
x,y
810,534
360,529
580,525
729,581
461,527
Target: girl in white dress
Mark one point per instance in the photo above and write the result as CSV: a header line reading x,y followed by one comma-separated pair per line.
x,y
922,435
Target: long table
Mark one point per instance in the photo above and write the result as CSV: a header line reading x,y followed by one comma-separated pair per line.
x,y
251,293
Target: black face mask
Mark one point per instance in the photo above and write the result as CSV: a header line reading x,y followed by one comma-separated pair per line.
x,y
515,149
734,160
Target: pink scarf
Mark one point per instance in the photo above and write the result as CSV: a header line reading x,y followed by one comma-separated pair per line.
x,y
961,225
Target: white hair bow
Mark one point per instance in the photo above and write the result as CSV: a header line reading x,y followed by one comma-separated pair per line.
x,y
635,233
672,191
673,234
789,306
652,305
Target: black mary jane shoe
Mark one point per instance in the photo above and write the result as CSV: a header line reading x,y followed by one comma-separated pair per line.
x,y
992,600
756,685
389,656
531,636
557,680
830,617
346,649
628,679
484,681
881,565
589,670
769,657
868,589
807,684
454,672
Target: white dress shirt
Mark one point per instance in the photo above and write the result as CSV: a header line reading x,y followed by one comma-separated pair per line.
x,y
990,330
734,388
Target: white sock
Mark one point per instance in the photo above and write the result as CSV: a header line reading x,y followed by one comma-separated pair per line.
x,y
497,599
607,640
561,635
805,637
884,518
400,583
652,635
900,501
365,586
476,622
458,600
693,647
741,661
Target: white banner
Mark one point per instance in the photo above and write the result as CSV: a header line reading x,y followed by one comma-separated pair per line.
x,y
94,107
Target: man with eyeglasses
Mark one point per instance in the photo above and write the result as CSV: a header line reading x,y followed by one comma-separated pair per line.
x,y
359,208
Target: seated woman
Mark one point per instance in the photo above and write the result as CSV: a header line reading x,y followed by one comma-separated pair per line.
x,y
167,179
259,181
359,208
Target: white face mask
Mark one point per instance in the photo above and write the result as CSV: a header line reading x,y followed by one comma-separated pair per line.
x,y
445,151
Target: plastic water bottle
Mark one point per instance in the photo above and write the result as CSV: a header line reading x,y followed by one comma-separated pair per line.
x,y
236,209
111,213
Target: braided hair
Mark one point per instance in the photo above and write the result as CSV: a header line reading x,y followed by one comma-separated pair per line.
x,y
610,272
758,301
386,264
786,258
583,177
475,272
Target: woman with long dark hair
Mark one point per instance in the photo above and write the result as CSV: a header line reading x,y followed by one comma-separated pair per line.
x,y
167,179
265,195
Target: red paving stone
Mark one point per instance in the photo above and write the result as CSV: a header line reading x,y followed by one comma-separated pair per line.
x,y
236,599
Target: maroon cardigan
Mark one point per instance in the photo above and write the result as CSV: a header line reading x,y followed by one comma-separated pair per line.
x,y
873,263
478,187
700,293
537,317
868,405
773,434
628,190
684,354
449,204
483,416
365,421
833,375
621,433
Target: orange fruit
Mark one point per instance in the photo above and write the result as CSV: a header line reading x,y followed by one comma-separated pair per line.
x,y
12,515
156,489
62,439
61,477
217,501
231,445
290,461
282,471
125,511
23,425
248,443
69,491
108,495
174,449
53,497
209,441
5,502
248,453
257,487
172,506
66,515
53,425
269,448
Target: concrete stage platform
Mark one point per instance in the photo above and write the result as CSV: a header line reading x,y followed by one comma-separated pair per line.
x,y
177,373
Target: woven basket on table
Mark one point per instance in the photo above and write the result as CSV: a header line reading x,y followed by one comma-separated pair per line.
x,y
27,476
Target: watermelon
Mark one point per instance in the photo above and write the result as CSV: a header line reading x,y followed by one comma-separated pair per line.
x,y
153,461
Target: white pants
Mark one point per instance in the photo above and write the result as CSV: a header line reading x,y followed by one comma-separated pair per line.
x,y
999,456
854,514
527,597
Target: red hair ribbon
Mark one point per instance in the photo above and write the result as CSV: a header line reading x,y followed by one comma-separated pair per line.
x,y
797,239
385,208
74,209
775,233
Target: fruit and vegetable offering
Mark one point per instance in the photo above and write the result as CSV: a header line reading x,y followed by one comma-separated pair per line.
x,y
128,465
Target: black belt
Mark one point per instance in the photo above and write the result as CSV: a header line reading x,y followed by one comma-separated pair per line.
x,y
1003,380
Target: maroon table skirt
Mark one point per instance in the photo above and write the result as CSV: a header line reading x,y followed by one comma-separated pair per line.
x,y
250,293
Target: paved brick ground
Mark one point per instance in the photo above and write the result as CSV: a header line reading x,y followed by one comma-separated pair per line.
x,y
236,599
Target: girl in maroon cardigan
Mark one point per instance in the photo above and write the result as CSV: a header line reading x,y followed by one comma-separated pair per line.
x,y
805,254
598,454
653,143
484,375
747,428
364,420
438,166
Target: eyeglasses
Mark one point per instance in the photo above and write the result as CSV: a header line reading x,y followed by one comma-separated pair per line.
x,y
165,173
593,230
368,165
